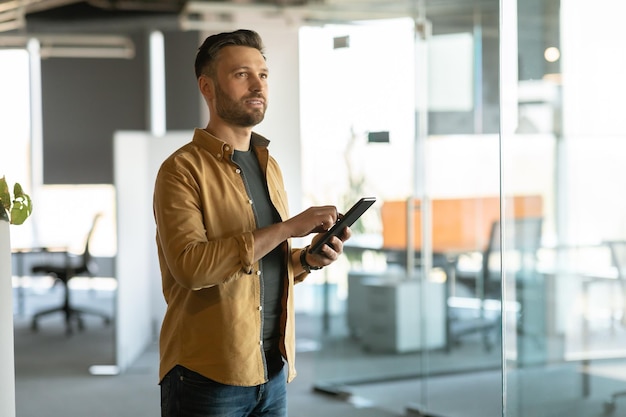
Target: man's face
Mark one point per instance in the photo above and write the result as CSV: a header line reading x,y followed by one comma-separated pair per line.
x,y
241,86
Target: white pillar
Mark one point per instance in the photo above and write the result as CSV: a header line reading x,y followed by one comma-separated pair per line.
x,y
157,84
7,361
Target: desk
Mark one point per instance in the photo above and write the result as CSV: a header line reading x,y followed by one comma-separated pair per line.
x,y
384,308
394,256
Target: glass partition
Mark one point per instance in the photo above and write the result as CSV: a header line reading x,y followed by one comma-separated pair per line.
x,y
407,110
564,327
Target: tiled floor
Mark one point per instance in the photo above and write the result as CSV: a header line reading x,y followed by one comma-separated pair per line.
x,y
53,378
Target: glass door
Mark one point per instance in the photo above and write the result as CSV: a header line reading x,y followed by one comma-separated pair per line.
x,y
410,106
564,328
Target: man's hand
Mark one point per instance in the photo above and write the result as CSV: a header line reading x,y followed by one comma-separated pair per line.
x,y
330,251
312,220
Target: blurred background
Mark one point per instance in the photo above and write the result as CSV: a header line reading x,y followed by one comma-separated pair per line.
x,y
487,279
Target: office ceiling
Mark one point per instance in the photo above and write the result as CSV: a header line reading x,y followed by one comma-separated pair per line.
x,y
68,15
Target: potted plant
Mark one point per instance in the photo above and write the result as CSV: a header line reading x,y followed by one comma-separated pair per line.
x,y
13,210
17,209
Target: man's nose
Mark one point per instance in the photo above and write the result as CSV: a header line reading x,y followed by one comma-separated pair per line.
x,y
257,84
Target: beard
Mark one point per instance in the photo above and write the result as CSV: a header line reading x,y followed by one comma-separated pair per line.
x,y
234,112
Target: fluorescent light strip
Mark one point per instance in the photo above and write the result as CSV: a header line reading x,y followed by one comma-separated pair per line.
x,y
76,46
83,52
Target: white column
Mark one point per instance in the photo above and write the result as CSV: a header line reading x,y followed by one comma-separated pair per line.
x,y
157,84
36,116
36,128
7,361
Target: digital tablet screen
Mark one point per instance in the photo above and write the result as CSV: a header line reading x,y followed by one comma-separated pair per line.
x,y
347,220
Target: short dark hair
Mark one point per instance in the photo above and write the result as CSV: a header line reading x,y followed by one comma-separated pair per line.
x,y
208,51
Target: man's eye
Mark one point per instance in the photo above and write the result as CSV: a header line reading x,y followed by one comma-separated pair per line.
x,y
264,76
242,74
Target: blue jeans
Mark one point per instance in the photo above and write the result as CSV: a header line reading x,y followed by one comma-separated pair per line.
x,y
185,393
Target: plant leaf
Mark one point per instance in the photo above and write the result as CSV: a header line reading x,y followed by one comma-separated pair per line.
x,y
22,205
5,197
18,214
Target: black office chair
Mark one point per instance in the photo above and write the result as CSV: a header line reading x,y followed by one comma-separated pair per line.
x,y
73,266
523,239
618,260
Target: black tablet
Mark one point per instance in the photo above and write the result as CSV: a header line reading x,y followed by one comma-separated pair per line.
x,y
347,220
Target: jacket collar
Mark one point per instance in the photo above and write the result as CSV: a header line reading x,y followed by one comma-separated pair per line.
x,y
218,148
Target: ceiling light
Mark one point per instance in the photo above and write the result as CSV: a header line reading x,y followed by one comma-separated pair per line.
x,y
552,54
75,45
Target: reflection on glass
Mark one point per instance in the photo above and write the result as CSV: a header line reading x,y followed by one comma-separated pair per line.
x,y
564,335
376,323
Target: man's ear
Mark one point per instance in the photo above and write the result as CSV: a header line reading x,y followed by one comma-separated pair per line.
x,y
206,86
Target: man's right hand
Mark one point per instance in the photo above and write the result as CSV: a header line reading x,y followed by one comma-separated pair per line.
x,y
315,219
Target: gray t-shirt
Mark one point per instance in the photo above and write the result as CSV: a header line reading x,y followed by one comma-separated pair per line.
x,y
272,263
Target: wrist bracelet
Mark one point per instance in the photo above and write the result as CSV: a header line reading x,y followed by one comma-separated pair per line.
x,y
305,265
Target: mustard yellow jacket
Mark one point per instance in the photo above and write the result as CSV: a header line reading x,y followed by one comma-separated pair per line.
x,y
204,223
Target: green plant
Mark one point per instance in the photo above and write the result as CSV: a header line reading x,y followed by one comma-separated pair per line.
x,y
17,209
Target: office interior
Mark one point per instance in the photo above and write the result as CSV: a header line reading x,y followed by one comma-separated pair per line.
x,y
488,279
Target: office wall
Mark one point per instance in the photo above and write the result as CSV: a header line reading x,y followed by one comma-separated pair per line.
x,y
85,100
133,328
140,305
593,124
181,95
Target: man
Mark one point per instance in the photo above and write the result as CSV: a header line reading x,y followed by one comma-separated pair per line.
x,y
223,237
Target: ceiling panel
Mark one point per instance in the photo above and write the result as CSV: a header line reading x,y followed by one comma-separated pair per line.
x,y
42,15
